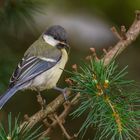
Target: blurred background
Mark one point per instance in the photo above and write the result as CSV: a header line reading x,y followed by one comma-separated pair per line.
x,y
88,24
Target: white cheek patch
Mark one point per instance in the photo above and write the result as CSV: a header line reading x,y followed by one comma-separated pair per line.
x,y
50,40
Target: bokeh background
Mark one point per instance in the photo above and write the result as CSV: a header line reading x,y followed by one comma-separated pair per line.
x,y
88,24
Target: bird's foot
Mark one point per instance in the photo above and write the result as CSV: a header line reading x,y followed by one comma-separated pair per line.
x,y
41,101
64,91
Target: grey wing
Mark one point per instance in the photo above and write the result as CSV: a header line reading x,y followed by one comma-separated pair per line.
x,y
31,67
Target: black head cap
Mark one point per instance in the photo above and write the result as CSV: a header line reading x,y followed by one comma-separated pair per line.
x,y
58,33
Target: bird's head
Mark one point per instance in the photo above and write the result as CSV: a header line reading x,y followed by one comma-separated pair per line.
x,y
56,36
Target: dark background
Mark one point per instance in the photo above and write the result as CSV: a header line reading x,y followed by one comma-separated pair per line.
x,y
88,24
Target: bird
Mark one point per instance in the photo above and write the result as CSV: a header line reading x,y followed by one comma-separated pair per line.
x,y
42,64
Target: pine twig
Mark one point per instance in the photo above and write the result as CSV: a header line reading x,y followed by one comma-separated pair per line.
x,y
62,117
114,30
63,128
131,36
49,109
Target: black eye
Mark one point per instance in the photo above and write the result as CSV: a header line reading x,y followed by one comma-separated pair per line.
x,y
55,37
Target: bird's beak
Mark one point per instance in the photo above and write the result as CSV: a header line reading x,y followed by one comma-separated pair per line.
x,y
65,44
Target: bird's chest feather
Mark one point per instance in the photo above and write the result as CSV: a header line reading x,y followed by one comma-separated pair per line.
x,y
50,78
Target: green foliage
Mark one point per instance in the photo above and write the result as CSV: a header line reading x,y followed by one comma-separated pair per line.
x,y
110,102
18,14
16,133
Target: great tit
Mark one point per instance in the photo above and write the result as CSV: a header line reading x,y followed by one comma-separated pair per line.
x,y
42,64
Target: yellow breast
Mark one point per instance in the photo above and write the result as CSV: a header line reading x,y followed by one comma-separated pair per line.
x,y
50,78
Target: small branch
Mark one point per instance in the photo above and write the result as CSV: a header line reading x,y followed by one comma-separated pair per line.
x,y
49,109
26,117
122,35
62,128
131,36
114,30
105,51
62,116
123,32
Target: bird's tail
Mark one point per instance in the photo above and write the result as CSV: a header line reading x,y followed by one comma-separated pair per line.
x,y
7,95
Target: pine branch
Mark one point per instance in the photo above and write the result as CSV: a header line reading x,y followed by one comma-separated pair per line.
x,y
131,36
67,108
15,133
126,38
49,109
18,15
